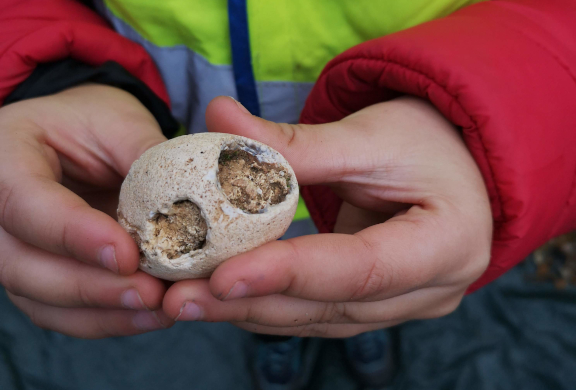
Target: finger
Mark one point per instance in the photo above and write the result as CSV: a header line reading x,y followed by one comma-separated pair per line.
x,y
105,201
315,330
60,222
100,152
32,273
191,301
38,210
318,154
91,323
383,261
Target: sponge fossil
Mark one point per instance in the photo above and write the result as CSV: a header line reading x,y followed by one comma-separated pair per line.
x,y
194,201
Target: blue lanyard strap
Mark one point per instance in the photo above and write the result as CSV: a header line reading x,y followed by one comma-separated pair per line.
x,y
241,56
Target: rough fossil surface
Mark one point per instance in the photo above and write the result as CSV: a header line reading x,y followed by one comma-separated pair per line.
x,y
194,201
249,184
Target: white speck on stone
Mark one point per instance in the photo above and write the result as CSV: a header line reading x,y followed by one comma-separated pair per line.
x,y
262,154
230,211
210,176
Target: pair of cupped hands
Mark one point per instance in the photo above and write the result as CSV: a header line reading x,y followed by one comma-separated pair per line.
x,y
413,233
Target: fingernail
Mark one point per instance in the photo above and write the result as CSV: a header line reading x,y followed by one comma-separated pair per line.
x,y
189,312
146,320
131,299
238,290
242,108
107,258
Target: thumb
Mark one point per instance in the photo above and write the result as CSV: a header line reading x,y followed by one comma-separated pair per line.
x,y
317,153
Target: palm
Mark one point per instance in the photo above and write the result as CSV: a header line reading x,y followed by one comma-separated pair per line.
x,y
88,139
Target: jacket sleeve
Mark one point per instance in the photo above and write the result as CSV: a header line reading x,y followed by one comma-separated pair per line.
x,y
34,32
504,72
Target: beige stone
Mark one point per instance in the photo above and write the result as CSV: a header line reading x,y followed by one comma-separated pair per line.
x,y
186,169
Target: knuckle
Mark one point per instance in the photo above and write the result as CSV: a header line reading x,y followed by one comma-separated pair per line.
x,y
303,331
297,284
328,313
290,133
7,199
81,294
336,313
376,279
315,330
444,309
472,269
9,280
63,236
63,239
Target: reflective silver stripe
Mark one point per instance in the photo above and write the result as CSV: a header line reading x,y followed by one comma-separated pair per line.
x,y
192,82
190,79
282,101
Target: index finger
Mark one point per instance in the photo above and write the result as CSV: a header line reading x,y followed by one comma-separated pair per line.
x,y
38,210
382,261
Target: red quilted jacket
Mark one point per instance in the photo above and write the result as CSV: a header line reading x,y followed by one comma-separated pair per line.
x,y
503,71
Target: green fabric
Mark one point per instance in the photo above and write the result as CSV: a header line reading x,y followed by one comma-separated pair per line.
x,y
292,40
181,131
201,25
301,211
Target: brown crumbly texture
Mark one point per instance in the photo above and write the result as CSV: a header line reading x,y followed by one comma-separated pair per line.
x,y
249,184
184,227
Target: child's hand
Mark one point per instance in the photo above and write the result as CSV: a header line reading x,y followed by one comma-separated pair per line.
x,y
397,158
62,160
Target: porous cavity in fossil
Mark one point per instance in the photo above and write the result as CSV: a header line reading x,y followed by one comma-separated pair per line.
x,y
181,230
249,184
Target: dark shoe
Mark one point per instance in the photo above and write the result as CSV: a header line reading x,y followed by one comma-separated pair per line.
x,y
371,357
284,365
